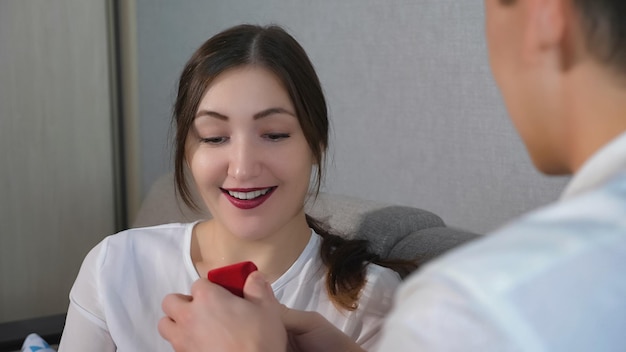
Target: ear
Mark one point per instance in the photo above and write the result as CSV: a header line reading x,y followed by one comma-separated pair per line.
x,y
544,28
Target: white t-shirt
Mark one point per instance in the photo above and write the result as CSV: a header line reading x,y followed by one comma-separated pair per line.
x,y
115,303
551,281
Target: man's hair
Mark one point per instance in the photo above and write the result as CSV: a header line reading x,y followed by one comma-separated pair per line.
x,y
604,28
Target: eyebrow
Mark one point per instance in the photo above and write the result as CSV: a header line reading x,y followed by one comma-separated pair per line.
x,y
258,115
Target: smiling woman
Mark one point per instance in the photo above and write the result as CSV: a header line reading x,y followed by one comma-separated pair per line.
x,y
251,130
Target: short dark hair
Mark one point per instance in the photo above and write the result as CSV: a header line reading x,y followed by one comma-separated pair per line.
x,y
604,28
604,25
270,47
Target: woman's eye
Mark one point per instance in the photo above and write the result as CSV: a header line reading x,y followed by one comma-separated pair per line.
x,y
276,136
214,140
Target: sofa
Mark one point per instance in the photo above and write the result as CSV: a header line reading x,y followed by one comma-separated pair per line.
x,y
393,231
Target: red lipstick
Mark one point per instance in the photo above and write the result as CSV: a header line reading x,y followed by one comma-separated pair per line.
x,y
248,203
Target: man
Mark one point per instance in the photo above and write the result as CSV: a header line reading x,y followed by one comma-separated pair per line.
x,y
550,281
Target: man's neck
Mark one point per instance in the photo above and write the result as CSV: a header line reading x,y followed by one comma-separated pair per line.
x,y
595,110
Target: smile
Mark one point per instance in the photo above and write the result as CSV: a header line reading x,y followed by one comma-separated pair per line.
x,y
248,199
249,195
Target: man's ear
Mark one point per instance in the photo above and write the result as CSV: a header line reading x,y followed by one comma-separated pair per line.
x,y
544,28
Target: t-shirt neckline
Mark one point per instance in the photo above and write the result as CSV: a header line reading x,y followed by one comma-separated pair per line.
x,y
287,276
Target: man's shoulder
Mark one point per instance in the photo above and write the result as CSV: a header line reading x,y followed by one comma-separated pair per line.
x,y
552,239
557,270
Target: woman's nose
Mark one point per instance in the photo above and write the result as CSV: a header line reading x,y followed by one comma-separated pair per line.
x,y
245,161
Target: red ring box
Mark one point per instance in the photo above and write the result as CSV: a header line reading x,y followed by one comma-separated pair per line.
x,y
232,277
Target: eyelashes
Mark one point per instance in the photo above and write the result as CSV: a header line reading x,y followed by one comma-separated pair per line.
x,y
214,140
219,140
276,136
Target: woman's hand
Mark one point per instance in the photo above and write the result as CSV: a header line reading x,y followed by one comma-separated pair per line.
x,y
213,319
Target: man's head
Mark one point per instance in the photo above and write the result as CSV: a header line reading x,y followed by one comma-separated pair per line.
x,y
544,54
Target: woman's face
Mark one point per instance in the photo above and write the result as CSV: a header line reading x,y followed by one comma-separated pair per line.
x,y
248,154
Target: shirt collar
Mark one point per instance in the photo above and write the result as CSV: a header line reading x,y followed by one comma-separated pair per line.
x,y
599,168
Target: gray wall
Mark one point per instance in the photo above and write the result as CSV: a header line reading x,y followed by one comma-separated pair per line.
x,y
417,119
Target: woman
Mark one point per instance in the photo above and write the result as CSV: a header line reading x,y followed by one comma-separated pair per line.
x,y
251,128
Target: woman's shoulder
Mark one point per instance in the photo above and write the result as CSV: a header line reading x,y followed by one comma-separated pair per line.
x,y
132,241
157,229
139,255
151,233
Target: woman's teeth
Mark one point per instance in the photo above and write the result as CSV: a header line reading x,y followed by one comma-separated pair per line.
x,y
248,195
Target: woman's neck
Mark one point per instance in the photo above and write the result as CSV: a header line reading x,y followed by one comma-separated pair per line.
x,y
213,246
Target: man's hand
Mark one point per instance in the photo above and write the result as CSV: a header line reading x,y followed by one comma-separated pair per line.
x,y
311,332
213,319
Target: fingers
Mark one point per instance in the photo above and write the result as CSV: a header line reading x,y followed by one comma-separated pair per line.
x,y
214,317
171,331
299,321
201,286
171,303
166,327
258,290
310,331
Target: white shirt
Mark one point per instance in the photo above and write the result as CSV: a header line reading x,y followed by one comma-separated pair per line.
x,y
552,281
115,303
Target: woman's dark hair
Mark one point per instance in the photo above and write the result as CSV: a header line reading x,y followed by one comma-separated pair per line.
x,y
274,49
604,28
